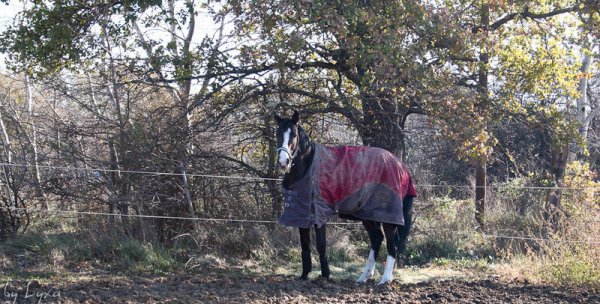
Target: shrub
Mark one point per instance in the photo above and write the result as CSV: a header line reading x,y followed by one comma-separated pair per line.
x,y
445,229
144,257
574,258
58,249
565,253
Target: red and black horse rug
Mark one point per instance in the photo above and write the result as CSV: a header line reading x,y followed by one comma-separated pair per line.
x,y
355,182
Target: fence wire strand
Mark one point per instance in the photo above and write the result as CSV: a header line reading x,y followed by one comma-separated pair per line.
x,y
256,178
253,221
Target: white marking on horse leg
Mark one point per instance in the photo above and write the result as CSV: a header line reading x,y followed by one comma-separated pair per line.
x,y
283,155
369,268
388,274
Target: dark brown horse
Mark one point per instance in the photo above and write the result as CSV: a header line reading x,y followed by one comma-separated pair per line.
x,y
360,183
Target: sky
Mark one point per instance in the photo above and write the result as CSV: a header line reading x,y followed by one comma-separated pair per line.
x,y
7,14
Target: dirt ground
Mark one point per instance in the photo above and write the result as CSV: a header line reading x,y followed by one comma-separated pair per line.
x,y
217,287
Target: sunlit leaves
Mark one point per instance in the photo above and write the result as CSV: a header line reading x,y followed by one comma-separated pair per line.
x,y
538,64
583,199
430,52
374,61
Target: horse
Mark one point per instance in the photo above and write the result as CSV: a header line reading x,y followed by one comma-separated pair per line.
x,y
320,182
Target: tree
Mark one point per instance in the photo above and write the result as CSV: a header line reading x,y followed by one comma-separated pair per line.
x,y
16,146
115,59
377,63
468,66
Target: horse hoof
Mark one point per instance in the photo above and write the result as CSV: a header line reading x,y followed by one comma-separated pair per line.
x,y
384,282
303,277
362,280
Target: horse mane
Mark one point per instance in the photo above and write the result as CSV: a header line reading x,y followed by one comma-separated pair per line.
x,y
302,161
303,139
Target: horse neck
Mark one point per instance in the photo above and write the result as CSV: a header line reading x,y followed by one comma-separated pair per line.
x,y
301,162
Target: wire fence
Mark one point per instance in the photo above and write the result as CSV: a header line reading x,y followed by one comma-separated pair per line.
x,y
255,178
254,221
262,221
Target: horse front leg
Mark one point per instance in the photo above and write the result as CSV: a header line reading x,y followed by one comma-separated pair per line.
x,y
375,238
305,246
390,233
321,235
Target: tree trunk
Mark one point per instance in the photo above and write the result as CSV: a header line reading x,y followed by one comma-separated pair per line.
x,y
554,211
383,124
483,102
181,94
584,110
480,193
33,139
6,174
188,196
583,105
3,230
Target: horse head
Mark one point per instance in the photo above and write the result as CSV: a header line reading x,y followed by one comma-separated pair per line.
x,y
288,140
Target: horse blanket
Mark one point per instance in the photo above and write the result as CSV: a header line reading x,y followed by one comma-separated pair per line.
x,y
355,182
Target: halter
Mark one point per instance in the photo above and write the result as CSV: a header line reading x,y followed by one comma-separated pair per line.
x,y
291,156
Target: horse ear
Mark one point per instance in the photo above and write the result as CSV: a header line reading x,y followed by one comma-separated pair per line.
x,y
278,119
296,117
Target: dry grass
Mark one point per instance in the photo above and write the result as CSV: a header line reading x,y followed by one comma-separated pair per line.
x,y
444,237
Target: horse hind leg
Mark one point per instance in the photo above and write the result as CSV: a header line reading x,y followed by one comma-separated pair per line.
x,y
321,240
404,231
305,246
390,233
376,238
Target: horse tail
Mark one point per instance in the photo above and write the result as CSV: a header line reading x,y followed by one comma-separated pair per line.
x,y
403,231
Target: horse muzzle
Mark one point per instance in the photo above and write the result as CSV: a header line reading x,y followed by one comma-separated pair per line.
x,y
285,159
287,167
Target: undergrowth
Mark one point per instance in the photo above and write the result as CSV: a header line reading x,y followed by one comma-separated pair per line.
x,y
444,235
56,250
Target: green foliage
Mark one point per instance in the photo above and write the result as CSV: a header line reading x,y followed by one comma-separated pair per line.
x,y
143,257
52,36
427,58
376,63
581,197
59,248
70,249
576,266
445,231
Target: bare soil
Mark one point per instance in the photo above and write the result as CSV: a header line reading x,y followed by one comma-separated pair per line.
x,y
239,287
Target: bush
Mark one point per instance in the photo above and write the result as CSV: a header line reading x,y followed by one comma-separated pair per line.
x,y
562,253
144,257
444,234
445,229
574,256
57,250
578,265
581,199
